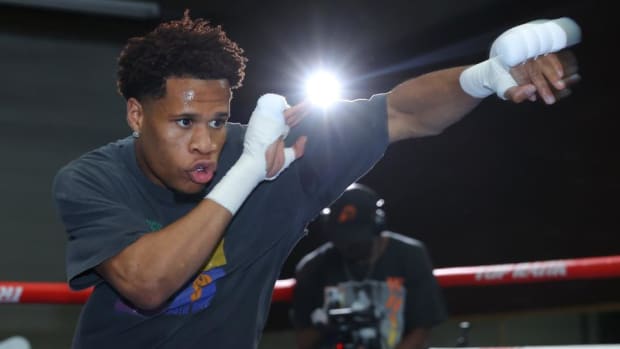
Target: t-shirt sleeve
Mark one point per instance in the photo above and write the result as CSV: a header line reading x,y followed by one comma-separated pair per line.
x,y
307,295
344,142
425,305
98,225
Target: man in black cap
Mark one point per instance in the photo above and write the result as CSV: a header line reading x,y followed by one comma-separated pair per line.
x,y
367,287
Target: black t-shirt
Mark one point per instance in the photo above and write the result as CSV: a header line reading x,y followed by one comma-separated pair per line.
x,y
399,293
106,203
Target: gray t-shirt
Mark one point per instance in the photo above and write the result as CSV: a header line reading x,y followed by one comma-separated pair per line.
x,y
106,203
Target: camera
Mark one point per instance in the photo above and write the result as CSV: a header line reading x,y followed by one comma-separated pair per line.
x,y
355,328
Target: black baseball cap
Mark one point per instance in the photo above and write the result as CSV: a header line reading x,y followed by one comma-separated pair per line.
x,y
356,215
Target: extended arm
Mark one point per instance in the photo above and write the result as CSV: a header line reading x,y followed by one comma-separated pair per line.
x,y
426,105
523,64
430,103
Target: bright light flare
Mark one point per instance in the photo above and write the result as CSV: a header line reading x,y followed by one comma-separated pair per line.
x,y
323,88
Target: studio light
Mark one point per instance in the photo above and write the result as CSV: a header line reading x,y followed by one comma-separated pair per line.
x,y
322,88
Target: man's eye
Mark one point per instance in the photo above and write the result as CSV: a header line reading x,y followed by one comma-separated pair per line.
x,y
217,123
185,123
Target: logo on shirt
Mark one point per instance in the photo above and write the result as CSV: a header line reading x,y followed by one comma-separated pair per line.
x,y
198,295
153,226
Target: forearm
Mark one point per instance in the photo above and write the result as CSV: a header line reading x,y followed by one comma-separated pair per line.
x,y
428,104
155,266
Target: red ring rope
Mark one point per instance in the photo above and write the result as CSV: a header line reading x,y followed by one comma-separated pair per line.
x,y
540,271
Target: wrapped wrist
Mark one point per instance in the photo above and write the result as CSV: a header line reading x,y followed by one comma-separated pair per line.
x,y
238,183
485,78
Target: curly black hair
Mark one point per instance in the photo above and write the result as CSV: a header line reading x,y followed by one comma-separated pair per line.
x,y
179,48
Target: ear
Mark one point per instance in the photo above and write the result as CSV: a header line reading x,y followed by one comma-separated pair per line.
x,y
135,114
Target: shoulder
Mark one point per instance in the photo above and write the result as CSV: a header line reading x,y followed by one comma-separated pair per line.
x,y
403,240
345,140
109,155
406,246
95,167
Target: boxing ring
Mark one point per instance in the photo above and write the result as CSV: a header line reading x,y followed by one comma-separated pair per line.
x,y
590,268
25,292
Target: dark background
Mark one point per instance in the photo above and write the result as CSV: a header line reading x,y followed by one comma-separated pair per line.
x,y
510,183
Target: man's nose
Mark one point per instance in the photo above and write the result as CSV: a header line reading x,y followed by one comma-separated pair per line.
x,y
201,141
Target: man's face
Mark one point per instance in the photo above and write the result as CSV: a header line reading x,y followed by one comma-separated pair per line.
x,y
354,244
355,251
182,134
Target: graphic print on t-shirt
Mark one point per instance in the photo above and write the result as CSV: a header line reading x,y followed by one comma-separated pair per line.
x,y
377,309
197,295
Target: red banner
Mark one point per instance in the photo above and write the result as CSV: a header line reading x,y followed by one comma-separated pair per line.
x,y
500,274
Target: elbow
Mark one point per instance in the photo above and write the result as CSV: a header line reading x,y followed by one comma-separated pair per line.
x,y
405,128
424,127
149,304
145,291
148,296
426,131
414,132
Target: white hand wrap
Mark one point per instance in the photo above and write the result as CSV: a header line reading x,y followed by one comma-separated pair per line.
x,y
533,39
515,46
266,125
484,79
